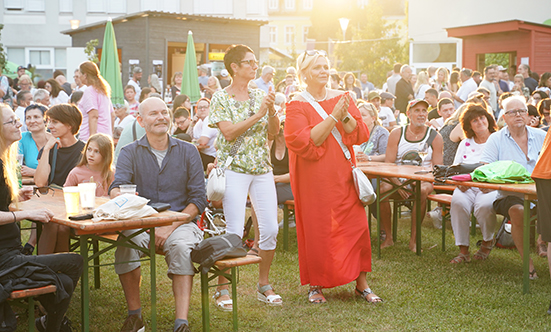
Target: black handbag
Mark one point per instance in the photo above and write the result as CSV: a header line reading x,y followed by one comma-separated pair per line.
x,y
441,173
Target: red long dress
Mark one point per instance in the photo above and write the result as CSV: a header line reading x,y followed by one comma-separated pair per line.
x,y
333,234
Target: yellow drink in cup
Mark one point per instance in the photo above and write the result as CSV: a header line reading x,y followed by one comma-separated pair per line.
x,y
71,196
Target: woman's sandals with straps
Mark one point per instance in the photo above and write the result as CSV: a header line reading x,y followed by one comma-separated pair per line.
x,y
481,255
271,300
315,295
461,258
365,294
224,305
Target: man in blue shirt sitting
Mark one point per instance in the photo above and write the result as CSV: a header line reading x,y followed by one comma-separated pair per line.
x,y
520,143
165,170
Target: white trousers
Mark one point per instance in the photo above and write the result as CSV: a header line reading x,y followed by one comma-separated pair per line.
x,y
472,201
262,191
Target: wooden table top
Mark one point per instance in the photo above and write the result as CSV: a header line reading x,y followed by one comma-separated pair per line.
x,y
56,204
524,188
392,170
27,180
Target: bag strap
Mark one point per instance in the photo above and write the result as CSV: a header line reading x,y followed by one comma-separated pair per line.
x,y
241,138
335,132
52,169
432,136
134,135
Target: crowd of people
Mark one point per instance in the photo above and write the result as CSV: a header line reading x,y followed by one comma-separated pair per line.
x,y
277,141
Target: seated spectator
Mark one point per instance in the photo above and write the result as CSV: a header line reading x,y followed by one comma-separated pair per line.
x,y
26,84
545,83
76,97
386,114
62,80
544,107
56,159
62,270
144,94
24,99
182,122
154,84
34,139
375,148
96,163
139,164
203,135
431,97
537,96
477,125
123,116
42,96
519,88
445,109
213,85
176,84
57,94
404,143
422,85
350,85
520,143
130,96
534,119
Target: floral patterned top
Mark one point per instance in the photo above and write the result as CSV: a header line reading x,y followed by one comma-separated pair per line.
x,y
253,154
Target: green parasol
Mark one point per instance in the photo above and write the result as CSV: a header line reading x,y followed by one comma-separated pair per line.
x,y
10,70
110,67
190,80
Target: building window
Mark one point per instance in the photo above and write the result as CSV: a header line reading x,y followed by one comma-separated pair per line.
x,y
13,4
305,33
35,5
42,58
212,7
273,4
65,6
307,4
289,34
273,35
290,4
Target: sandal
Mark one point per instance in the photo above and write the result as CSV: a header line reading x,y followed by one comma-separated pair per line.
x,y
541,248
224,305
271,300
533,275
365,294
481,255
316,290
252,252
461,258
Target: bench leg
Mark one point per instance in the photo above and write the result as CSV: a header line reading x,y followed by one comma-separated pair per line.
x,y
97,281
473,225
444,219
205,300
395,220
234,297
285,227
84,285
31,314
153,272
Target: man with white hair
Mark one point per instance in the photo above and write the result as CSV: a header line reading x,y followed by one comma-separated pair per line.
x,y
265,81
42,96
24,99
521,143
404,89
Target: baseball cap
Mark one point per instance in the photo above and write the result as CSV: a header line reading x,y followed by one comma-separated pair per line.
x,y
500,68
372,95
224,73
21,67
387,95
414,102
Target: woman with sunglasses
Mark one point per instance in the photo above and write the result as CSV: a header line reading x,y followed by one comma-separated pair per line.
x,y
56,159
62,270
34,139
245,117
332,231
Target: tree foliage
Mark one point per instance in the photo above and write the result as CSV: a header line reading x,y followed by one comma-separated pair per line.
x,y
375,47
500,59
90,50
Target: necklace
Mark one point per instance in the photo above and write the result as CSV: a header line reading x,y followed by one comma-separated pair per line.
x,y
414,135
322,99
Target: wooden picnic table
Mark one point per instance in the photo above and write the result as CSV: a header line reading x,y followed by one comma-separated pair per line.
x,y
90,232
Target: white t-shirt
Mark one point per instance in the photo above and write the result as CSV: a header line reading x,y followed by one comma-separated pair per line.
x,y
126,121
202,129
421,93
386,115
61,98
466,88
437,123
468,152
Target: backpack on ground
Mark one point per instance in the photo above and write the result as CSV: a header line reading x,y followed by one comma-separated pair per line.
x,y
504,239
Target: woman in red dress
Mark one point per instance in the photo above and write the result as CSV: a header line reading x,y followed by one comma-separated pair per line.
x,y
333,235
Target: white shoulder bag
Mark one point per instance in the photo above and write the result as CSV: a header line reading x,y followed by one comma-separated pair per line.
x,y
216,183
361,181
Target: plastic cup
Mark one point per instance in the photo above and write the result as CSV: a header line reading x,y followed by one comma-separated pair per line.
x,y
20,158
87,195
71,196
128,189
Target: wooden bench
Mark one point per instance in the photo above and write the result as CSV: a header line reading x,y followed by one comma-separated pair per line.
x,y
444,201
288,211
220,268
29,294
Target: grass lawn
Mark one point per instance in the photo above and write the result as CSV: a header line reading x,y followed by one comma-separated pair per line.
x,y
424,293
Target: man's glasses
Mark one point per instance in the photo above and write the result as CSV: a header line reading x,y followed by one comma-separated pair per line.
x,y
202,107
312,53
516,112
43,191
250,62
13,122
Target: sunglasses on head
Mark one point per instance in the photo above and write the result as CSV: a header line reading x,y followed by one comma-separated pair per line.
x,y
312,53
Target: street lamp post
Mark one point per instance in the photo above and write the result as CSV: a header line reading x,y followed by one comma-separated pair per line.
x,y
344,25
